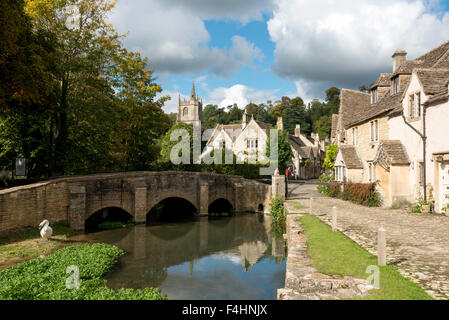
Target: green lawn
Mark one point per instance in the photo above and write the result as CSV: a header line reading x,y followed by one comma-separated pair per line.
x,y
335,254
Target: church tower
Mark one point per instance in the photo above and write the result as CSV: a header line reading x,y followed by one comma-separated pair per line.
x,y
191,111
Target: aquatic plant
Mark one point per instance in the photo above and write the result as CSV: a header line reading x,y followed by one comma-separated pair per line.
x,y
45,278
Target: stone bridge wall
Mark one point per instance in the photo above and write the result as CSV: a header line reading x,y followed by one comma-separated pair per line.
x,y
77,198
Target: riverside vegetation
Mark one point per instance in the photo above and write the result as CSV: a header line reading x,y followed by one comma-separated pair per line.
x,y
45,278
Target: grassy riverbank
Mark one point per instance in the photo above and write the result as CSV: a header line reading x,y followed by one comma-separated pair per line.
x,y
45,278
26,244
335,254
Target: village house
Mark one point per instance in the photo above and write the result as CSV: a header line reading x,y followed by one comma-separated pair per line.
x,y
308,154
397,134
248,140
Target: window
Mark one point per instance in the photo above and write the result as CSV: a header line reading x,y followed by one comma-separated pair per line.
x,y
340,173
253,143
411,105
414,105
375,130
395,85
421,174
374,96
355,132
418,103
185,112
223,144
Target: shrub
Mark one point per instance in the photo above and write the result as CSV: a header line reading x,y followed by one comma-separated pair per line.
x,y
45,278
278,213
335,190
361,193
325,187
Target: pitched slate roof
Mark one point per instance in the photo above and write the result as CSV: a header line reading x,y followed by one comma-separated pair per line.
x,y
334,126
433,80
434,58
350,157
352,105
382,81
305,151
395,152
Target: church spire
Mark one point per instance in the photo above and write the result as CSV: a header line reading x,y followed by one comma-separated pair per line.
x,y
193,94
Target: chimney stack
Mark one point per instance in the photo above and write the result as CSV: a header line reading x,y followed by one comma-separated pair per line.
x,y
298,130
399,57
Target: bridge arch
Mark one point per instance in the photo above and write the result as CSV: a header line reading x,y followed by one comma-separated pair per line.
x,y
107,214
221,205
171,209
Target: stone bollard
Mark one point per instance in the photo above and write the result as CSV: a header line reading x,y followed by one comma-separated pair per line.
x,y
381,247
334,219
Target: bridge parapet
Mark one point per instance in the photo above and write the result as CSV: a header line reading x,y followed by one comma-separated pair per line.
x,y
74,199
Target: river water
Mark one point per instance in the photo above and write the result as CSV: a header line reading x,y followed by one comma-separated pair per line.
x,y
225,258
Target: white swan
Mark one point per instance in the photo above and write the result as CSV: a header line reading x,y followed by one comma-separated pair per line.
x,y
46,230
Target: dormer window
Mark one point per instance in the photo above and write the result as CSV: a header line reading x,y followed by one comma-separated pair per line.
x,y
374,96
395,85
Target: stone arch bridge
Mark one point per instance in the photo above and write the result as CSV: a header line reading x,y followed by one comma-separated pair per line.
x,y
74,199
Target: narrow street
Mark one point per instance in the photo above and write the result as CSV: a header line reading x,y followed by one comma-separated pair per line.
x,y
417,244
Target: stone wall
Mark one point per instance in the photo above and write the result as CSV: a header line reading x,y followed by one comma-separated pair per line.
x,y
76,199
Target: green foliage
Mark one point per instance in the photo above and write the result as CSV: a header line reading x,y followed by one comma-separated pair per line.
x,y
45,278
167,145
325,186
285,153
277,211
335,254
329,160
293,114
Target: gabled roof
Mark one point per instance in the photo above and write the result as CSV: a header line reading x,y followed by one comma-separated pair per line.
x,y
392,152
352,105
350,157
382,81
433,80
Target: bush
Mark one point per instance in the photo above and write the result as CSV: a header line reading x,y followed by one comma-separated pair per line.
x,y
325,187
361,193
45,278
278,213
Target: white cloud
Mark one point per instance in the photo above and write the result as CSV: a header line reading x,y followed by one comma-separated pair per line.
x,y
239,94
170,106
348,42
173,36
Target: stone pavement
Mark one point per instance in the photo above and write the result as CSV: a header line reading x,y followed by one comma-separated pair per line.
x,y
417,245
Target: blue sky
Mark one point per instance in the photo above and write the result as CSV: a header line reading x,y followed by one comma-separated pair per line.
x,y
259,50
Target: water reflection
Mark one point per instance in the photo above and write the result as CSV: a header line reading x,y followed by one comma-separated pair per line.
x,y
229,258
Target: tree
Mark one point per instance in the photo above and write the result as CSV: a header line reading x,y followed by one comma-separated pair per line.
x,y
323,126
285,153
167,145
329,160
294,114
364,88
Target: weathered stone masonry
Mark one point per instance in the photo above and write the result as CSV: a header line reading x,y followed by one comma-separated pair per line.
x,y
75,199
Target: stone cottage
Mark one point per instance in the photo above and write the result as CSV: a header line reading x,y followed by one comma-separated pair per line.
x,y
398,132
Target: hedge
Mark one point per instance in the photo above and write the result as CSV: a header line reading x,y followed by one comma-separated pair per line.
x,y
361,193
